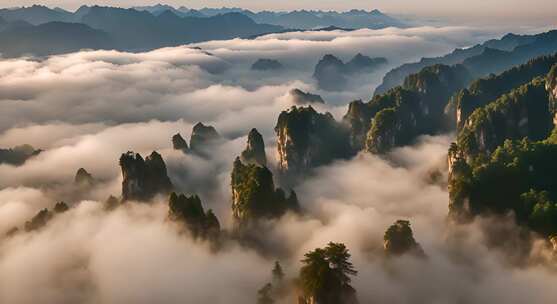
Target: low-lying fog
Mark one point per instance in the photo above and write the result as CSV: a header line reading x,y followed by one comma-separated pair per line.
x,y
87,108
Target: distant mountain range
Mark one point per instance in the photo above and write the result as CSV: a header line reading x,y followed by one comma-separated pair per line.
x,y
507,43
301,19
39,30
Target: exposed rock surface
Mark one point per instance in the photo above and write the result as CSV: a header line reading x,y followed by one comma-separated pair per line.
x,y
265,64
255,150
202,138
254,195
485,90
17,155
84,178
524,112
179,143
502,161
143,179
307,139
300,97
399,240
44,216
551,87
189,211
400,115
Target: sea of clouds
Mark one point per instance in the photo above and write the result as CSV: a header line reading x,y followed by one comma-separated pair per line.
x,y
87,108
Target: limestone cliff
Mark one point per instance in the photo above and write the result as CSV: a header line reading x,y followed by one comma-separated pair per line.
x,y
202,138
189,211
307,139
300,97
143,179
179,143
254,195
399,239
255,150
83,178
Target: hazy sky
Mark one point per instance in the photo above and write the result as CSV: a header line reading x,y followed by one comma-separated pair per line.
x,y
492,9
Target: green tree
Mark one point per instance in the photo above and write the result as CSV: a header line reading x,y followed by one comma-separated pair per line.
x,y
277,272
324,277
264,294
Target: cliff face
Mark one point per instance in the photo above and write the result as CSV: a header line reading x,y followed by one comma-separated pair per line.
x,y
300,97
254,195
503,160
485,90
524,112
17,155
307,139
399,239
83,178
143,179
179,143
202,137
189,211
551,87
397,117
255,149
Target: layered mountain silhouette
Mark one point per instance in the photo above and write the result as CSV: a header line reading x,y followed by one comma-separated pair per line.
x,y
300,19
507,43
39,30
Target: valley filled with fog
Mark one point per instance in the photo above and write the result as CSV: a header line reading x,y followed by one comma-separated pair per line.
x,y
85,109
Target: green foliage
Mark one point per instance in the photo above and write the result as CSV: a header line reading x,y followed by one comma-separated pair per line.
x,y
325,273
143,178
524,112
277,272
39,220
307,139
519,176
264,294
399,239
189,210
61,207
254,195
485,90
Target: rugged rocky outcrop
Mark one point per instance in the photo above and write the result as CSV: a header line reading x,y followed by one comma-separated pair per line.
x,y
179,143
202,138
329,73
300,97
551,87
524,112
255,150
254,195
83,178
44,216
17,155
189,211
397,117
485,90
307,139
61,207
503,160
325,276
399,239
517,49
332,74
265,64
143,179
